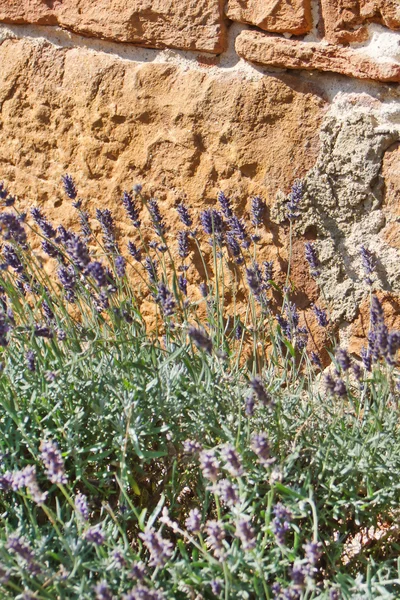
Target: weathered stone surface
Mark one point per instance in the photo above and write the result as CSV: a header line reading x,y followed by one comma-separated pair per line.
x,y
275,51
345,20
187,24
272,15
391,176
112,123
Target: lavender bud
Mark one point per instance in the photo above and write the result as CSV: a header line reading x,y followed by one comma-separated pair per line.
x,y
138,571
182,284
137,188
131,209
134,251
225,203
215,538
227,491
257,210
81,506
216,586
156,217
246,533
281,522
151,267
209,465
120,266
295,197
260,445
19,545
95,535
12,259
191,446
165,299
30,360
193,522
183,244
184,215
312,259
102,591
234,247
69,186
40,220
200,339
368,262
159,548
78,251
340,388
233,463
211,221
204,290
343,359
53,461
315,359
67,278
258,387
321,316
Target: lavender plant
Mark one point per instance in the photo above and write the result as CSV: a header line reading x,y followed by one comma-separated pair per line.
x,y
201,455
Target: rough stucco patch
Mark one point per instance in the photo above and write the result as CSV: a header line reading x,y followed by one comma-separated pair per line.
x,y
272,15
187,24
342,209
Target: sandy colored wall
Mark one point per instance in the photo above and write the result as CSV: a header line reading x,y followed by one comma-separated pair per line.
x,y
190,97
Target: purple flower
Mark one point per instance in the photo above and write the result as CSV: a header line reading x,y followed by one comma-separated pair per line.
x,y
142,592
184,215
102,591
312,259
67,278
40,220
106,221
134,251
238,332
131,209
343,359
215,538
137,188
260,445
211,221
234,247
160,549
216,586
340,388
85,227
191,446
19,545
27,478
69,186
151,267
12,229
53,462
246,533
368,262
258,387
78,251
312,551
193,522
320,316
183,244
120,266
3,190
200,339
204,290
238,229
295,197
182,284
81,506
225,203
12,259
209,465
315,359
95,535
377,314
281,522
366,358
63,235
227,491
268,270
257,210
97,271
156,217
165,299
233,463
254,280
43,331
138,571
30,360
51,250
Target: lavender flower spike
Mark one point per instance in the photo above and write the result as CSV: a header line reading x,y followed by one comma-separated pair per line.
x,y
225,203
53,461
184,215
159,548
200,339
69,186
312,259
257,210
368,262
